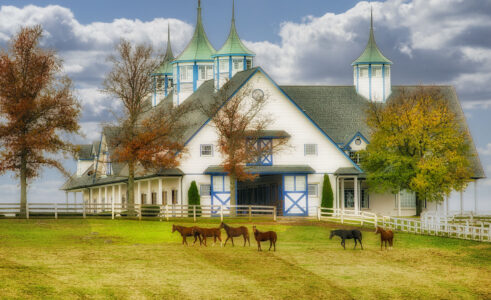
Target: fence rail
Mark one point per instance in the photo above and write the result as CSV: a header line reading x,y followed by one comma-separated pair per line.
x,y
118,210
480,232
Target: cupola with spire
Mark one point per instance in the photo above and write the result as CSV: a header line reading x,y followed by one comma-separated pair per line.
x,y
233,57
162,77
371,71
195,64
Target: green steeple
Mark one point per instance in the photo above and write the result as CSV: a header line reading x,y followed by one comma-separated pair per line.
x,y
199,48
372,53
234,45
166,66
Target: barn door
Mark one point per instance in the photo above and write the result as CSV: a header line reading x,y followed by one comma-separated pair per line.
x,y
220,191
295,195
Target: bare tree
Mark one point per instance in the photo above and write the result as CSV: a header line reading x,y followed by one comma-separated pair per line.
x,y
240,122
147,137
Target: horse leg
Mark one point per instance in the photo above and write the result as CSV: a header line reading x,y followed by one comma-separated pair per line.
x,y
274,244
258,246
355,244
342,244
361,245
245,240
232,239
185,241
270,244
220,239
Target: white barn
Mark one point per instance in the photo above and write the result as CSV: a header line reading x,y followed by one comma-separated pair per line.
x,y
325,126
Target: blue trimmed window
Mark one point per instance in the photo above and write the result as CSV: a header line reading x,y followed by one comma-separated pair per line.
x,y
206,150
264,149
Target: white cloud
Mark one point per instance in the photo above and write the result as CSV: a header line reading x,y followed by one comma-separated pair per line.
x,y
485,151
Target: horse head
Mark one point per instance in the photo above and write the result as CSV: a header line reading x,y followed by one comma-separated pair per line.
x,y
222,225
254,229
173,228
331,235
378,230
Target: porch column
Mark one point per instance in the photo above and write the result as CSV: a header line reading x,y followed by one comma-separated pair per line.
x,y
99,199
336,202
119,195
149,191
159,193
113,194
475,197
66,198
342,193
90,197
461,202
105,197
75,197
355,187
139,196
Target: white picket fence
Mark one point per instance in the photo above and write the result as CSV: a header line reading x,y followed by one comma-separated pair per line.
x,y
467,231
117,210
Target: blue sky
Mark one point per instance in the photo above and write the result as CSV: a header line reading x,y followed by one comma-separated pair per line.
x,y
296,42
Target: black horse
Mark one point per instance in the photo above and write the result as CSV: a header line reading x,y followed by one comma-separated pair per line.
x,y
347,234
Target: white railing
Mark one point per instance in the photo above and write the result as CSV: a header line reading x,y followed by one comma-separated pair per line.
x,y
118,210
445,228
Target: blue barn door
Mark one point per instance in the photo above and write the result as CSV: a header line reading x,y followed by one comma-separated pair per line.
x,y
295,195
220,191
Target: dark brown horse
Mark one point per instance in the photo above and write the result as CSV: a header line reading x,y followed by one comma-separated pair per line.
x,y
204,233
385,236
235,232
185,232
265,236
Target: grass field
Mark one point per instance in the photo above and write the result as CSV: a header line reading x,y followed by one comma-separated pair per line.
x,y
121,259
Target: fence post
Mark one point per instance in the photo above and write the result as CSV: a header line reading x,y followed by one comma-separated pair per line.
x,y
221,213
194,213
318,213
274,213
482,231
27,210
250,213
139,212
375,224
56,211
362,217
342,216
167,212
83,208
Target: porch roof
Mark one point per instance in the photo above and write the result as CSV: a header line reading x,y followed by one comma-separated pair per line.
x,y
349,171
267,170
87,179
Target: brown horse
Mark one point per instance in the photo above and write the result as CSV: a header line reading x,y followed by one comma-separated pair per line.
x,y
216,233
235,232
185,232
265,236
385,235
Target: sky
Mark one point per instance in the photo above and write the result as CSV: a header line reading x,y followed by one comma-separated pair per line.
x,y
296,42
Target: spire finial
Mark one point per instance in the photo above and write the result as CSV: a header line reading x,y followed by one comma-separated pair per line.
x,y
199,3
371,17
233,10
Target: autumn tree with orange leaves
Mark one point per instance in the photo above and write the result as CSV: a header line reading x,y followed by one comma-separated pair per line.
x,y
37,107
418,144
240,123
147,137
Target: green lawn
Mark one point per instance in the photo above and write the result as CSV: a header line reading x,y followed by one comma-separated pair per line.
x,y
142,259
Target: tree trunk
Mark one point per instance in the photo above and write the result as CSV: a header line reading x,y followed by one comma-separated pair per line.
x,y
23,186
233,200
131,189
419,205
